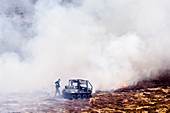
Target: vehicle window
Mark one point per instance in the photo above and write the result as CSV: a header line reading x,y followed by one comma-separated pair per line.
x,y
83,85
82,82
74,84
89,86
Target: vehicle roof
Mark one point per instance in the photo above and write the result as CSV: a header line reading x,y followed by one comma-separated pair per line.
x,y
77,80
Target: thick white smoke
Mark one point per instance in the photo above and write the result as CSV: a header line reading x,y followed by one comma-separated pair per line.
x,y
108,42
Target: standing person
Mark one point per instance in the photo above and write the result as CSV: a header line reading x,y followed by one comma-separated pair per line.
x,y
57,86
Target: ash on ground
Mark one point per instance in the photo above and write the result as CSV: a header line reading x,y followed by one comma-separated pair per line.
x,y
147,96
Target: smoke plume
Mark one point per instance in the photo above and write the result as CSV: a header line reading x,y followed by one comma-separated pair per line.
x,y
107,42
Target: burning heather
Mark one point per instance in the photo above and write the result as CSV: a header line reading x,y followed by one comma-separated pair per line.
x,y
121,47
147,96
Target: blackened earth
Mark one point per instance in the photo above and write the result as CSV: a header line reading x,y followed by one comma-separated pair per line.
x,y
147,96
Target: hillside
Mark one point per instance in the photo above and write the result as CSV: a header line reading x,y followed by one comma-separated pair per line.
x,y
147,96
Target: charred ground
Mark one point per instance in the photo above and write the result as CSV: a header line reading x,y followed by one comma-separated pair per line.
x,y
147,96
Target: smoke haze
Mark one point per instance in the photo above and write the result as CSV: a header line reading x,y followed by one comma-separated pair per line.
x,y
108,42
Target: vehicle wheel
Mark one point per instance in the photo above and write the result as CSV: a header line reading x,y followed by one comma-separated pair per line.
x,y
84,96
89,95
78,96
73,97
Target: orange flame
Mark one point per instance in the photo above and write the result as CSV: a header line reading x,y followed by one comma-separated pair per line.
x,y
125,84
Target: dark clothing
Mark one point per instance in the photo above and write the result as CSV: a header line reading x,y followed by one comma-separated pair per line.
x,y
57,86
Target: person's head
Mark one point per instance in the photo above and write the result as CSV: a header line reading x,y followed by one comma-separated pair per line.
x,y
59,80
